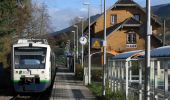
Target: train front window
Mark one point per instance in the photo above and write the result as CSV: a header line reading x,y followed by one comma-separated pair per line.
x,y
32,58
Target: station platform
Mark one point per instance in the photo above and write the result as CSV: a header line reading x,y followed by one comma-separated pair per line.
x,y
67,88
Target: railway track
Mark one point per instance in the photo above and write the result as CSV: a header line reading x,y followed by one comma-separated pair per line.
x,y
27,97
34,96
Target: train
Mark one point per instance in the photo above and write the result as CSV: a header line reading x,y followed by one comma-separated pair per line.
x,y
33,65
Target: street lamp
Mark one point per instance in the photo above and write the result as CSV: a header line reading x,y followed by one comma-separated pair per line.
x,y
74,51
89,58
147,50
104,52
76,26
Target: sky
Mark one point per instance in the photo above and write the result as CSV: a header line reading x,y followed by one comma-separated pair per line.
x,y
61,12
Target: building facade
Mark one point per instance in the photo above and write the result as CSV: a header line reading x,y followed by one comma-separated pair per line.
x,y
126,28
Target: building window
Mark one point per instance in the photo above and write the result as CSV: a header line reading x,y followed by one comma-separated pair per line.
x,y
113,19
131,38
137,17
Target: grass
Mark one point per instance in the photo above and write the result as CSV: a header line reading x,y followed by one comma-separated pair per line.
x,y
96,89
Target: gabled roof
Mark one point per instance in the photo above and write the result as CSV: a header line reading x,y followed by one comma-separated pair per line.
x,y
125,3
129,22
128,3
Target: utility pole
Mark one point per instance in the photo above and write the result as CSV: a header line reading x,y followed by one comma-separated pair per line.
x,y
82,47
104,53
147,52
89,46
89,58
74,52
77,50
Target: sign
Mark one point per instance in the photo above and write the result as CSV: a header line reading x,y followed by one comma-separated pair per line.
x,y
83,40
96,43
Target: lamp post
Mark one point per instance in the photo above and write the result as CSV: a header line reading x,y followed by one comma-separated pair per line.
x,y
82,47
76,26
104,52
74,51
147,50
89,58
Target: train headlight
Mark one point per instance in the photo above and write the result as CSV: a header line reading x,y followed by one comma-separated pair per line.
x,y
17,72
20,72
42,72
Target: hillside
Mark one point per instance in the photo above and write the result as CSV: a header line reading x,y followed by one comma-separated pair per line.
x,y
162,11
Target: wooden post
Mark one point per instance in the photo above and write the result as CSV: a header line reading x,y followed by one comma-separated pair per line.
x,y
127,79
140,81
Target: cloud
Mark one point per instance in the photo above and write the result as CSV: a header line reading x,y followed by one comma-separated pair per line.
x,y
62,11
60,18
84,9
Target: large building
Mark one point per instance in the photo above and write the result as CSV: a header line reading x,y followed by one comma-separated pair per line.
x,y
126,28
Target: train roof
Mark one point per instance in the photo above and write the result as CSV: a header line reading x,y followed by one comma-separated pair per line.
x,y
31,42
38,41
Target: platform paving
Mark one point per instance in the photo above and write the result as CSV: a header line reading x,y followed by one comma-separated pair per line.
x,y
67,88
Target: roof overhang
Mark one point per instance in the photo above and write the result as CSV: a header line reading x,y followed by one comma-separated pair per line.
x,y
124,5
131,25
127,56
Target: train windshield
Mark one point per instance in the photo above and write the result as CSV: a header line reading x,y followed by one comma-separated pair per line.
x,y
29,58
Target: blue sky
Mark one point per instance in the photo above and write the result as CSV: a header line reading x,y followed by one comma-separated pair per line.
x,y
62,11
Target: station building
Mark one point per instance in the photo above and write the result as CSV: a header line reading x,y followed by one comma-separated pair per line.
x,y
126,28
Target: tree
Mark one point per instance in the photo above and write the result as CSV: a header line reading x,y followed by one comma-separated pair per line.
x,y
11,25
39,23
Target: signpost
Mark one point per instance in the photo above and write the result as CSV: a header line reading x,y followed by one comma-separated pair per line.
x,y
83,41
96,43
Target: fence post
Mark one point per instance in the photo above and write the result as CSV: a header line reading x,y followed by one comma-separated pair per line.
x,y
140,81
127,76
157,66
166,79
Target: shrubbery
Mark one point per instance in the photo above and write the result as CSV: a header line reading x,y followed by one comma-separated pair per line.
x,y
96,75
96,89
79,72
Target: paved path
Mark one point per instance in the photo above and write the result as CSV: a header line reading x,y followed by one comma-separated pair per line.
x,y
66,88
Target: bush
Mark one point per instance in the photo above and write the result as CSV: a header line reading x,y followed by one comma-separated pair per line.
x,y
96,89
79,72
5,46
96,75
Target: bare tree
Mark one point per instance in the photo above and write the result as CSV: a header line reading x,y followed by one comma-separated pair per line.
x,y
39,23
